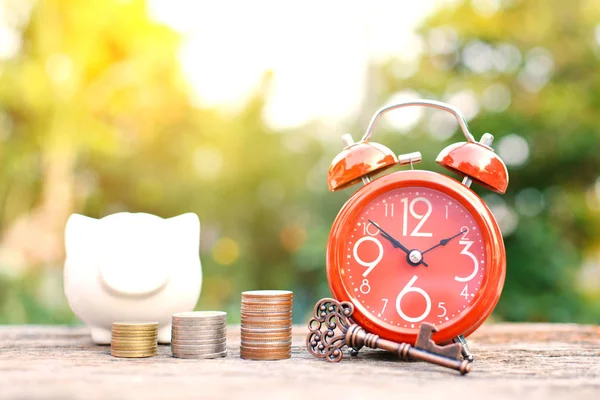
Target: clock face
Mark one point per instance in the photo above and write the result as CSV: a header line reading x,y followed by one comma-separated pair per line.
x,y
413,255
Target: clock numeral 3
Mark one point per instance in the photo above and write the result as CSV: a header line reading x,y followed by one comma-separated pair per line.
x,y
466,252
421,217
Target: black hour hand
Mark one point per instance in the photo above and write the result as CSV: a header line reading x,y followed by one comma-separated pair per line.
x,y
395,242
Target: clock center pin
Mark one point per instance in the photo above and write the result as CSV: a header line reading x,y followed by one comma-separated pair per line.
x,y
415,257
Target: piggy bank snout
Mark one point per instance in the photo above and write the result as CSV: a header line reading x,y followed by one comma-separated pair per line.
x,y
135,269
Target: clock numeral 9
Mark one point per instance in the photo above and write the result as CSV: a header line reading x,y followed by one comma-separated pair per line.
x,y
421,217
409,288
371,264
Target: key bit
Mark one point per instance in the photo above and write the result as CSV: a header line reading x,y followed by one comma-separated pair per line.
x,y
332,328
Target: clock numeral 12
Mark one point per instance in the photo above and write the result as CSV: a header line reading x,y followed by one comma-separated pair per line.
x,y
421,217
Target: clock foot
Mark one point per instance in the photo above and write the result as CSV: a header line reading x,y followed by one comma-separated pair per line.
x,y
466,353
354,351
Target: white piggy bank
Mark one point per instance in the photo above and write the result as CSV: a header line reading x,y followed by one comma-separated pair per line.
x,y
131,267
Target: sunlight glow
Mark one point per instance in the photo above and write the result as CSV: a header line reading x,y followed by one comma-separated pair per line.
x,y
318,52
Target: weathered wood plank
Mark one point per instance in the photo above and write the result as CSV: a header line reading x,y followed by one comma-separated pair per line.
x,y
513,361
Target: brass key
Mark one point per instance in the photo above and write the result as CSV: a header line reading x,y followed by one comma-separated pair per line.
x,y
331,316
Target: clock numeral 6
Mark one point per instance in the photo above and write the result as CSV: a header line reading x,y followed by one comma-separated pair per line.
x,y
409,288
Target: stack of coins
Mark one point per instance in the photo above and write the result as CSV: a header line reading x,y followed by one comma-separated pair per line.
x,y
199,334
266,325
134,339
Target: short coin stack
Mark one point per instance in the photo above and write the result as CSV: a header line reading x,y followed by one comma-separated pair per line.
x,y
199,334
266,325
134,339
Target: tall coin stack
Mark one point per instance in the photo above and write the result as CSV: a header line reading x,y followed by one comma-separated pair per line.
x,y
134,339
266,325
199,334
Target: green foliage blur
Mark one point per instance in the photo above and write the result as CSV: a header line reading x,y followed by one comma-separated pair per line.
x,y
96,118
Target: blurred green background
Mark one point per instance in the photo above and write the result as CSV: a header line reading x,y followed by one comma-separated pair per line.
x,y
103,108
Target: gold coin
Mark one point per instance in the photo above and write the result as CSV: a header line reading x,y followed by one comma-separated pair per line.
x,y
134,337
135,325
134,334
133,348
133,354
133,343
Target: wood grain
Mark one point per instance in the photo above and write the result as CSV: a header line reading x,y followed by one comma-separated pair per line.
x,y
513,361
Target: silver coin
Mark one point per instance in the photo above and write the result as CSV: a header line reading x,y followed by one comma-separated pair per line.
x,y
200,315
203,346
198,321
211,350
199,329
200,356
198,341
201,322
197,336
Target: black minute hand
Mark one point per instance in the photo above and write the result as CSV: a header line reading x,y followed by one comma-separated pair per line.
x,y
394,242
444,242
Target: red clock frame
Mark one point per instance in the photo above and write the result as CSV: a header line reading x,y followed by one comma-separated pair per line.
x,y
489,293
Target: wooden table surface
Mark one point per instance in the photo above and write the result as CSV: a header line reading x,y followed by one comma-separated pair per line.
x,y
512,361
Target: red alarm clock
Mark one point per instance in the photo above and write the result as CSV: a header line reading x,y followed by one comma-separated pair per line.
x,y
417,246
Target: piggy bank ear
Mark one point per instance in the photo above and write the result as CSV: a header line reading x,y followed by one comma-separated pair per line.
x,y
185,231
79,233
